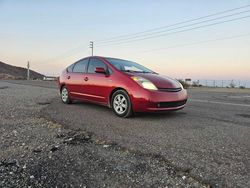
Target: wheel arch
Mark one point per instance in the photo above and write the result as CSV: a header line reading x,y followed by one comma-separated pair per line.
x,y
112,92
61,86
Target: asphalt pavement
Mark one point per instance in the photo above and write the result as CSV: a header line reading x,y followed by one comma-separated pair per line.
x,y
37,152
209,139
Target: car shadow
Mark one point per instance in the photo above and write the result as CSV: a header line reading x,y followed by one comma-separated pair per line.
x,y
161,115
89,104
144,115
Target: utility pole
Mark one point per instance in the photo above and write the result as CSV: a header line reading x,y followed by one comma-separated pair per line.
x,y
28,70
91,45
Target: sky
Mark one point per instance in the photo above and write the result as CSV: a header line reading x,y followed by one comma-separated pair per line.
x,y
54,34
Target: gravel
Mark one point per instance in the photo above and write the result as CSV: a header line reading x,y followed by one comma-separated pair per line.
x,y
210,140
38,152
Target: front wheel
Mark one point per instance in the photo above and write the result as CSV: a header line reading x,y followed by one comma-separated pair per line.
x,y
121,104
65,95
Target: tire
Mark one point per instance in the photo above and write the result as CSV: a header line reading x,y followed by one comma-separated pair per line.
x,y
65,95
121,104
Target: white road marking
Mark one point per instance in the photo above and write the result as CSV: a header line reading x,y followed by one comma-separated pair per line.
x,y
238,97
215,102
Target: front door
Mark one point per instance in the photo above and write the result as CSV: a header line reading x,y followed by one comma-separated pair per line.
x,y
98,85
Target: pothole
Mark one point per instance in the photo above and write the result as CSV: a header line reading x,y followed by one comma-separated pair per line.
x,y
4,87
43,103
74,137
243,115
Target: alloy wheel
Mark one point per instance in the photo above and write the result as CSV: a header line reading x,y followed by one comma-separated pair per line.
x,y
64,95
120,104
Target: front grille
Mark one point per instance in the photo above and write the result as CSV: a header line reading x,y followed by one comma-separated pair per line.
x,y
170,89
171,104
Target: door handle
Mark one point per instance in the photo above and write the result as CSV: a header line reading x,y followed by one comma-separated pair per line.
x,y
68,77
86,78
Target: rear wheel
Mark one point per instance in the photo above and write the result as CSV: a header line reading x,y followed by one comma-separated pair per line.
x,y
65,95
121,104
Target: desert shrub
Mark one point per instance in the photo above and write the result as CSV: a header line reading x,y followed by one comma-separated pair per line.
x,y
232,85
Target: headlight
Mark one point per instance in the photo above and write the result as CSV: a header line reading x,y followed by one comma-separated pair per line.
x,y
144,83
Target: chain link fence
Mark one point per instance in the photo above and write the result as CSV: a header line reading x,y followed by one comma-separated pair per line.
x,y
221,83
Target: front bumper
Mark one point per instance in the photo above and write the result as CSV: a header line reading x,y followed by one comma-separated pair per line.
x,y
150,101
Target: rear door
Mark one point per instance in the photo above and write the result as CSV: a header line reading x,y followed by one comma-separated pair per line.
x,y
76,79
67,76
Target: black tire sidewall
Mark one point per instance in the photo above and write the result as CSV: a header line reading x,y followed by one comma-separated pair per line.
x,y
128,111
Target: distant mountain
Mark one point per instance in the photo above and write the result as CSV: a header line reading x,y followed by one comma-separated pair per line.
x,y
13,72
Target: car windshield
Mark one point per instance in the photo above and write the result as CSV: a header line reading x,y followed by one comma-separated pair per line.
x,y
128,66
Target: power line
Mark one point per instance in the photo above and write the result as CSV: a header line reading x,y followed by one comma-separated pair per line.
x,y
157,31
179,23
196,43
181,31
66,54
175,28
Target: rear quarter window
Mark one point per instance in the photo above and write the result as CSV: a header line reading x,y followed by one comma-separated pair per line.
x,y
80,66
70,68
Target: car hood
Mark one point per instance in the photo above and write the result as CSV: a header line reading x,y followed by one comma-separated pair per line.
x,y
158,80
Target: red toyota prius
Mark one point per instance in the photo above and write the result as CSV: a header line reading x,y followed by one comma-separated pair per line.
x,y
122,85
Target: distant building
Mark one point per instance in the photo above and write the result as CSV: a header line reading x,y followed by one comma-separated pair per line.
x,y
49,78
188,81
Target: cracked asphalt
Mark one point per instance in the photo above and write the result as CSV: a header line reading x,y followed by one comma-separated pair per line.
x,y
208,140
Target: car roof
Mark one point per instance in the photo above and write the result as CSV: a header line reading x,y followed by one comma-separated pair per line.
x,y
103,57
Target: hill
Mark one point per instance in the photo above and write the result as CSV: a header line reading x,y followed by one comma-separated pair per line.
x,y
12,72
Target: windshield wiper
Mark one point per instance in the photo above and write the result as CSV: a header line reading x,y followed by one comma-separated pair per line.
x,y
126,71
144,72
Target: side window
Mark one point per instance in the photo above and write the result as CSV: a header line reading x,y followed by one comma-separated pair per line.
x,y
93,63
80,66
70,68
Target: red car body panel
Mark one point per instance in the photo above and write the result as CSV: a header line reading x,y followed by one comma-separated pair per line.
x,y
98,88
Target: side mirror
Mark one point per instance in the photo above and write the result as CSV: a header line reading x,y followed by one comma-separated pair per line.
x,y
100,70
